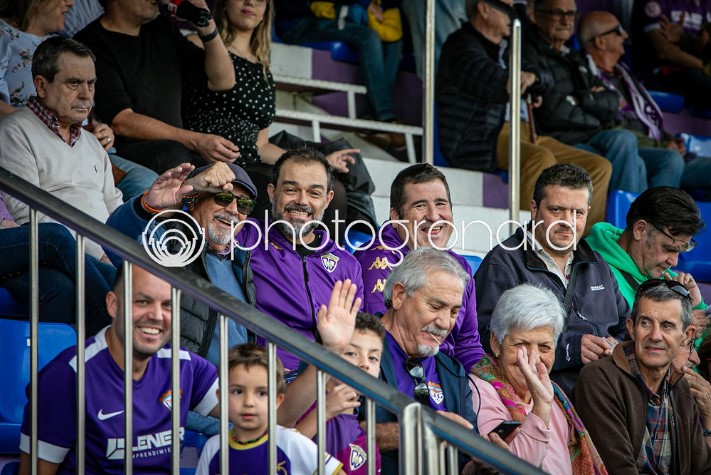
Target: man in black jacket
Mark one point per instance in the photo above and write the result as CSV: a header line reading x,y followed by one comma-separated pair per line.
x,y
472,104
551,252
577,109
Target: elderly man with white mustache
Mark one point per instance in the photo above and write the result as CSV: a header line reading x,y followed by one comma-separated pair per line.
x,y
423,296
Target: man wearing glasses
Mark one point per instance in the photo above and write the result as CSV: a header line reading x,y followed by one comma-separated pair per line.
x,y
636,406
660,225
671,47
218,197
603,38
578,110
423,296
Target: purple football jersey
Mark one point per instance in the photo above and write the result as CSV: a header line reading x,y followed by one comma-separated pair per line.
x,y
296,455
152,406
405,382
347,441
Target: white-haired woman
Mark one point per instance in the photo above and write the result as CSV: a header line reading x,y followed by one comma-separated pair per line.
x,y
513,385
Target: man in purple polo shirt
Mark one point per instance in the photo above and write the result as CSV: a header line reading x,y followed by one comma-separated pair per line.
x,y
420,216
423,296
152,398
296,265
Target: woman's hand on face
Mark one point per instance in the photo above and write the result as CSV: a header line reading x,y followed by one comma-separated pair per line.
x,y
536,374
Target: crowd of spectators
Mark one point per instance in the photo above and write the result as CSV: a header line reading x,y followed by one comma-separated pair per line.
x,y
568,312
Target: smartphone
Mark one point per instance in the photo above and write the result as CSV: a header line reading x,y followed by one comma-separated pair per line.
x,y
504,429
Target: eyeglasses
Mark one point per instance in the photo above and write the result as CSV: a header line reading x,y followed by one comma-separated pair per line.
x,y
558,15
244,205
672,285
677,245
417,372
618,30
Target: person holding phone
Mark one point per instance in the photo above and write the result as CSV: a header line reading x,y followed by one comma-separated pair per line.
x,y
513,386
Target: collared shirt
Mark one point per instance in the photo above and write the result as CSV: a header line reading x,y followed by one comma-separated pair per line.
x,y
49,119
655,454
550,263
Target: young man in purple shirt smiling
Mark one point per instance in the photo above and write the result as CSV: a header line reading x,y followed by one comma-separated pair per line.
x,y
152,398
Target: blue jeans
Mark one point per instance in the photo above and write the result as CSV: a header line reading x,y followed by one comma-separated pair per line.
x,y
664,166
372,52
629,172
137,180
697,174
57,274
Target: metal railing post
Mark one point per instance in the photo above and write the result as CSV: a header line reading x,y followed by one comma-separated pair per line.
x,y
34,337
128,367
224,393
515,125
175,377
81,360
410,446
428,84
272,395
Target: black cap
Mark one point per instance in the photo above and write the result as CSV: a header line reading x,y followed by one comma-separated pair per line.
x,y
241,177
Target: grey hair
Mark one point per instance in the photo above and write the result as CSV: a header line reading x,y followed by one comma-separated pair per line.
x,y
526,307
415,268
662,293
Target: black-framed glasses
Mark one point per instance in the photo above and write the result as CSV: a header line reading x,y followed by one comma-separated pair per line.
x,y
417,372
677,245
558,15
672,285
618,30
244,205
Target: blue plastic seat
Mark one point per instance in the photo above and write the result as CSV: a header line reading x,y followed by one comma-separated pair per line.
x,y
698,144
667,101
356,240
474,262
618,203
15,370
698,261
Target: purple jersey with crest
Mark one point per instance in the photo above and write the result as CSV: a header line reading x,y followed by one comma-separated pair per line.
x,y
296,455
406,383
347,441
152,405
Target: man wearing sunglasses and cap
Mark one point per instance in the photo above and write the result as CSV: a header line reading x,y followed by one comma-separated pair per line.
x,y
638,408
660,225
218,197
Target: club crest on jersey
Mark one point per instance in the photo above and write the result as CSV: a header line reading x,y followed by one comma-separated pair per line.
x,y
357,458
436,392
167,399
329,262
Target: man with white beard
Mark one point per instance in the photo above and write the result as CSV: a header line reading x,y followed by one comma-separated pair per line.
x,y
423,296
296,265
218,197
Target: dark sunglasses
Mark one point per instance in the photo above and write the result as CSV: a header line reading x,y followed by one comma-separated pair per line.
x,y
244,205
417,372
618,30
672,285
677,245
558,15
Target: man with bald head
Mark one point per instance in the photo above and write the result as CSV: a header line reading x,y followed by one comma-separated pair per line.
x,y
603,37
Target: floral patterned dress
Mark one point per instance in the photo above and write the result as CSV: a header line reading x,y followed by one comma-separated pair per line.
x,y
16,50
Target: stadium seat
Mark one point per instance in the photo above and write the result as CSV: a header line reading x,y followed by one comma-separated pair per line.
x,y
438,159
15,370
698,261
618,203
473,261
356,239
697,144
668,102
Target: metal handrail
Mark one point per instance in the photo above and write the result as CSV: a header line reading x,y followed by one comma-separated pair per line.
x,y
276,332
